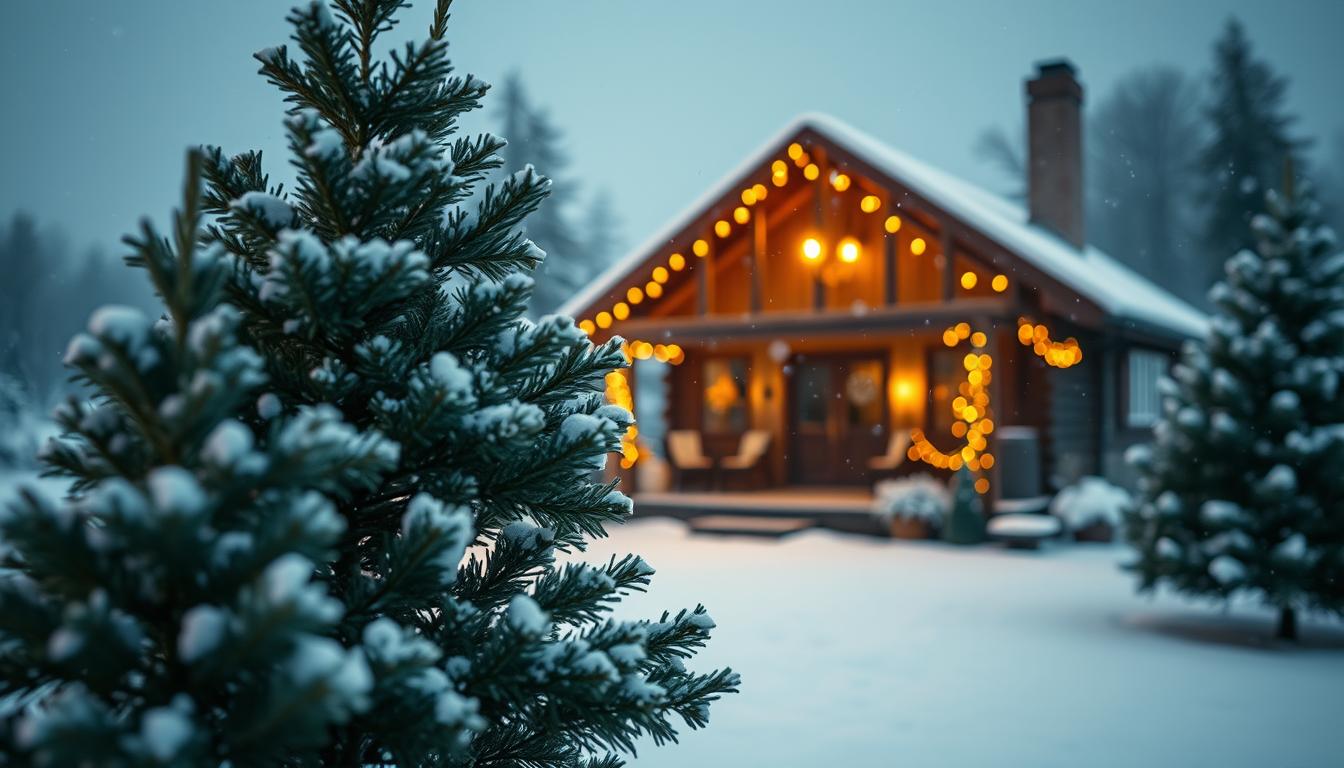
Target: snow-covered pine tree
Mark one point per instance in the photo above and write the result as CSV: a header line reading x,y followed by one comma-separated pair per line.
x,y
261,561
1248,145
535,140
1241,490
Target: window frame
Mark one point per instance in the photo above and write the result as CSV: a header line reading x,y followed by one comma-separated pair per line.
x,y
1153,364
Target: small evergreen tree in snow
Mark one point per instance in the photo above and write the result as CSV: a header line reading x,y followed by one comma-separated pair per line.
x,y
966,519
1241,489
261,561
535,140
1249,144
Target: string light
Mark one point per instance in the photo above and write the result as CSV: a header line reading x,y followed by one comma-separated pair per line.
x,y
811,172
634,295
621,310
587,327
811,249
849,250
700,248
917,246
760,191
870,203
604,319
999,283
749,196
741,215
653,290
1057,354
722,228
968,280
839,181
795,151
677,262
660,274
971,411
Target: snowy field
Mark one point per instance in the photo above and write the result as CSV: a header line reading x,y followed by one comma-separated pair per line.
x,y
864,652
861,652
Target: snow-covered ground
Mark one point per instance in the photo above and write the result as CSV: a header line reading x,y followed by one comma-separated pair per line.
x,y
859,652
862,652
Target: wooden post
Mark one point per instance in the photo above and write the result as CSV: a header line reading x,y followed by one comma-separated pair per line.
x,y
705,286
949,262
823,234
892,250
758,257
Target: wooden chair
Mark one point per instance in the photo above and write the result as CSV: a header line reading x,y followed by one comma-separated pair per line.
x,y
750,456
687,456
895,457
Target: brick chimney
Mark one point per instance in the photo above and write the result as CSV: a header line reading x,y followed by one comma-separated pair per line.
x,y
1055,150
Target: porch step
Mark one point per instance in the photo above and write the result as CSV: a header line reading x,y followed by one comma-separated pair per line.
x,y
744,525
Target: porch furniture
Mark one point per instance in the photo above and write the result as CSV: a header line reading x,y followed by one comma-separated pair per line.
x,y
687,456
897,446
750,457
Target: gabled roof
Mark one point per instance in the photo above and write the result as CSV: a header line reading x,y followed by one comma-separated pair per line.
x,y
1113,287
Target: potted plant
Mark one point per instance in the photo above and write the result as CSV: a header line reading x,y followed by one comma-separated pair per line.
x,y
1091,508
912,507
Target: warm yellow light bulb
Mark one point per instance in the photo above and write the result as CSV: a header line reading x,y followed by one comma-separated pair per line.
x,y
978,339
779,178
811,249
748,196
999,283
917,246
700,248
760,190
963,330
779,166
604,319
870,203
840,181
982,485
677,262
621,310
722,228
634,295
950,337
653,290
849,250
741,215
968,280
1025,332
795,150
660,274
893,224
587,327
811,172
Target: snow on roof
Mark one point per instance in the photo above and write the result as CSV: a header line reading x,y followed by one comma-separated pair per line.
x,y
1114,287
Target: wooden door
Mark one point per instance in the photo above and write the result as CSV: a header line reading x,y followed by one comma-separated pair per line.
x,y
838,415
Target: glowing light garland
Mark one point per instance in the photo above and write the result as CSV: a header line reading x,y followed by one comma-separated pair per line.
x,y
1059,354
974,418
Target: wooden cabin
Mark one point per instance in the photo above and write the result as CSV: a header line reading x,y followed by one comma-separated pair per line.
x,y
849,301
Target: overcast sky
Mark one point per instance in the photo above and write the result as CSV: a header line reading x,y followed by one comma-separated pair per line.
x,y
657,100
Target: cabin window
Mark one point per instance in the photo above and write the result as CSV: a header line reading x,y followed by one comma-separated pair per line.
x,y
725,394
1145,368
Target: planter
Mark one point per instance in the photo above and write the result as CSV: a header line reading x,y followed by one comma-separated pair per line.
x,y
910,528
1096,532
